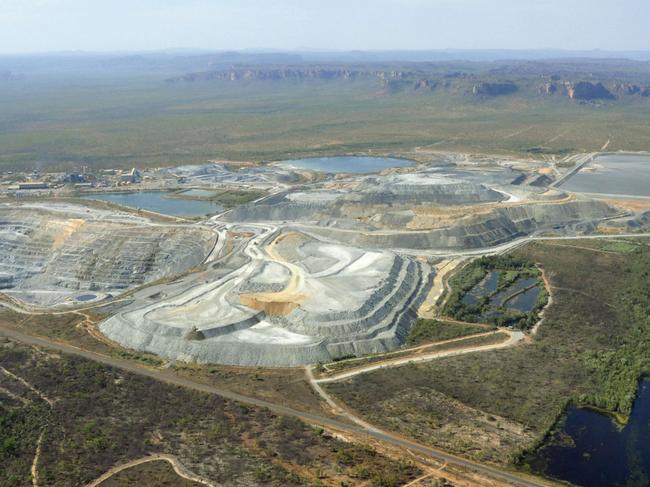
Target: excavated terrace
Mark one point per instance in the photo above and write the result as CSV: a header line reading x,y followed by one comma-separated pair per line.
x,y
296,301
66,254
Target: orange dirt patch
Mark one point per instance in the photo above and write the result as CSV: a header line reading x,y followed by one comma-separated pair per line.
x,y
610,230
630,204
268,305
283,302
66,230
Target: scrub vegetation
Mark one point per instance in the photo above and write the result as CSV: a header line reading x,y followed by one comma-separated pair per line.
x,y
591,349
99,417
150,474
425,331
149,123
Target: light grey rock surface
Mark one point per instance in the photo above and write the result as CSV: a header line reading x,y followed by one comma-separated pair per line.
x,y
51,255
335,300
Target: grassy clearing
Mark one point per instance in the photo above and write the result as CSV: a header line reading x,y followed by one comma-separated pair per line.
x,y
623,247
426,331
228,198
591,349
232,198
103,417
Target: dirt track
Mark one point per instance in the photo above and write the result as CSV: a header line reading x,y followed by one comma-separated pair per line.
x,y
515,337
180,470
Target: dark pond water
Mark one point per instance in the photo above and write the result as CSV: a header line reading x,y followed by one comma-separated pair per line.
x,y
86,297
613,174
159,202
520,284
487,286
592,451
359,165
525,301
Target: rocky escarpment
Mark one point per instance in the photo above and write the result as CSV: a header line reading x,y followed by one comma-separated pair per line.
x,y
288,73
549,88
427,78
494,89
631,89
587,91
425,84
391,81
627,89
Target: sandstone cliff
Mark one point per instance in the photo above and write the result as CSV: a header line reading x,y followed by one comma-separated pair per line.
x,y
584,90
494,89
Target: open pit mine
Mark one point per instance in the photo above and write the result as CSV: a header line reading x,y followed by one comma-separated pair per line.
x,y
289,300
57,254
326,266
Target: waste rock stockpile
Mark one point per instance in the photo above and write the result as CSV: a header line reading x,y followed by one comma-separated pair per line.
x,y
442,208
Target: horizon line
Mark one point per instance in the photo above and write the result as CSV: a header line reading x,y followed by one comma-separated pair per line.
x,y
316,50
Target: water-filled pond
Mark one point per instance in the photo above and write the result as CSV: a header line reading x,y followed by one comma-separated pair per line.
x,y
487,286
613,174
525,301
507,295
349,164
592,451
159,202
86,297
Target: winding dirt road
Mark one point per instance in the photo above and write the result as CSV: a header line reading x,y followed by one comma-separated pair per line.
x,y
180,470
515,337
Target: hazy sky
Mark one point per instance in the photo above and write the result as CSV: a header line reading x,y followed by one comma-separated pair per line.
x,y
101,25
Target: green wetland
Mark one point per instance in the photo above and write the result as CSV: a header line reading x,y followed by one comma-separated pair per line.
x,y
501,291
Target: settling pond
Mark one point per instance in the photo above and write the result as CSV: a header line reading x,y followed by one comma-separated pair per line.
x,y
160,202
623,174
591,451
520,295
349,164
